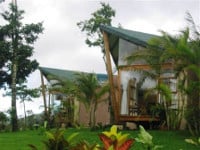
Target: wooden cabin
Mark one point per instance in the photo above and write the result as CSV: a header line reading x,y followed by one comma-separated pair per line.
x,y
79,114
127,99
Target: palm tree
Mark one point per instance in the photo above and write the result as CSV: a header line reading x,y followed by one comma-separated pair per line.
x,y
67,89
183,52
90,93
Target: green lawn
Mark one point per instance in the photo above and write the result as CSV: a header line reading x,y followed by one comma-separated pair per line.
x,y
171,140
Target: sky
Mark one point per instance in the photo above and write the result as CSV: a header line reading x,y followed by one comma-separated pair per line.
x,y
62,44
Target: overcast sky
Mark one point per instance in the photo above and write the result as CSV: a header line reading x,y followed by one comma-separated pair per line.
x,y
62,45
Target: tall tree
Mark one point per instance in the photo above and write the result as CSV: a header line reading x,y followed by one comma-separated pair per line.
x,y
17,45
184,51
91,26
103,15
90,93
67,91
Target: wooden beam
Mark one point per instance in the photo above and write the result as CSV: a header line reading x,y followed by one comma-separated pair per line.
x,y
110,75
145,118
144,66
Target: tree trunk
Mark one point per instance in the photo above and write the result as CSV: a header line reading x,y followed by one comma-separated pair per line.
x,y
49,105
13,103
14,64
94,113
24,113
90,115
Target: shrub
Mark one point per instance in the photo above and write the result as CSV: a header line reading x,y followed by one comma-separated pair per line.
x,y
112,140
57,141
115,141
193,141
147,140
192,116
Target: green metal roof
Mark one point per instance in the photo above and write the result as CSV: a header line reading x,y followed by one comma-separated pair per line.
x,y
59,74
135,37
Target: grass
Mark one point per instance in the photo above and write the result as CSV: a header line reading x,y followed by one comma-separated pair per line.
x,y
20,140
171,140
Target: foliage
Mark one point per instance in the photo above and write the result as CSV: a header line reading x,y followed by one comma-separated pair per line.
x,y
115,141
168,116
90,92
158,110
171,115
16,47
17,43
181,51
84,145
91,27
57,141
146,139
111,140
43,128
67,91
24,94
20,140
192,116
3,120
193,141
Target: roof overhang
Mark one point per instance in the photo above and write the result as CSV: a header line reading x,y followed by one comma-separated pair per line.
x,y
65,75
134,37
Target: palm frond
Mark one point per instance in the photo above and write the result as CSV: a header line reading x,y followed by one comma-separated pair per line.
x,y
192,25
165,91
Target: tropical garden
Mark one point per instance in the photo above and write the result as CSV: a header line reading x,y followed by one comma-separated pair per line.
x,y
182,50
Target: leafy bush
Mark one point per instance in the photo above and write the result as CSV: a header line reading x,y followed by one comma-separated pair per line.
x,y
193,141
115,141
57,141
84,145
146,139
112,140
192,116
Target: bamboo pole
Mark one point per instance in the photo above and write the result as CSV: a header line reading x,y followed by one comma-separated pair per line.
x,y
110,75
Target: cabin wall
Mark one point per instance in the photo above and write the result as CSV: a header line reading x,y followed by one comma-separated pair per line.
x,y
102,113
